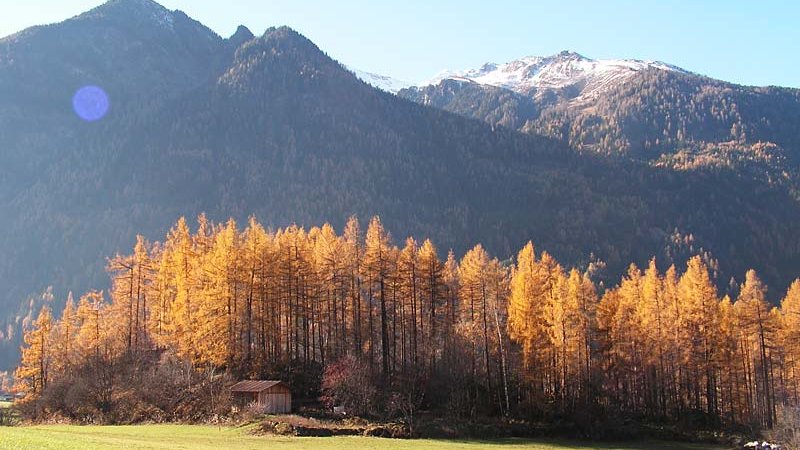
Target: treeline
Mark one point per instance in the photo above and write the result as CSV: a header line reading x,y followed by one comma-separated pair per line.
x,y
525,338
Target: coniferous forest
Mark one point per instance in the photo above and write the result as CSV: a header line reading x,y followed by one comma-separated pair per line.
x,y
462,334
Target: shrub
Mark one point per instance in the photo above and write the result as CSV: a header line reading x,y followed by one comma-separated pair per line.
x,y
151,387
347,383
787,427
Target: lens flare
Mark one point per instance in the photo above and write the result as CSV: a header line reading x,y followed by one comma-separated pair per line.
x,y
91,103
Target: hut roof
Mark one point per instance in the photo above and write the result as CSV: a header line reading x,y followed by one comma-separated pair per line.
x,y
256,385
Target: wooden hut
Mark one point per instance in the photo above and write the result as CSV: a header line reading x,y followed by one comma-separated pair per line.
x,y
273,396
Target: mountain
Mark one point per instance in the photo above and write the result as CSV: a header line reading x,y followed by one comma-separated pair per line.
x,y
645,110
270,125
566,74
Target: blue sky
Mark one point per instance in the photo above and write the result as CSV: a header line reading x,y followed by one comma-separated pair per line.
x,y
749,42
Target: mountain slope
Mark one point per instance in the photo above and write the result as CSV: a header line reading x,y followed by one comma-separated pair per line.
x,y
640,109
272,126
644,111
143,56
137,50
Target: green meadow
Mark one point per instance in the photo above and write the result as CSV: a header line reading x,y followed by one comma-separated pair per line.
x,y
196,437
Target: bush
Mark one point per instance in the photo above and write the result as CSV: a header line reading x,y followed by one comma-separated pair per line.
x,y
787,427
347,383
391,430
277,428
152,387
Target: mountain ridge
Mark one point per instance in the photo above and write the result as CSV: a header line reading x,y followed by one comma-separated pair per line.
x,y
531,74
644,111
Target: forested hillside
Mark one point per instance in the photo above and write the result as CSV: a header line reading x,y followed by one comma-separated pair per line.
x,y
651,115
385,326
271,126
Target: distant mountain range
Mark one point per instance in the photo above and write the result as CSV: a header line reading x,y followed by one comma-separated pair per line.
x,y
643,109
538,76
270,125
646,110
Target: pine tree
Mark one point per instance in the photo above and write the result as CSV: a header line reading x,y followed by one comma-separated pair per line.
x,y
452,289
758,329
432,296
216,321
121,269
353,251
698,326
409,274
626,338
330,269
498,280
732,404
32,375
182,321
377,266
65,333
524,316
790,337
143,280
92,339
652,311
474,289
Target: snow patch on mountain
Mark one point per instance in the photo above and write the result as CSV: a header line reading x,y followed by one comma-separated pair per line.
x,y
382,82
535,74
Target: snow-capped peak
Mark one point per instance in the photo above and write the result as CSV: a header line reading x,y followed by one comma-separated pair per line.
x,y
533,74
382,82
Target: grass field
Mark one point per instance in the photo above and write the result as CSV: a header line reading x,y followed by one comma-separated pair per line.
x,y
207,438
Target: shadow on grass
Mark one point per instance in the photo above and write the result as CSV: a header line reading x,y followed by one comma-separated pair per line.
x,y
585,444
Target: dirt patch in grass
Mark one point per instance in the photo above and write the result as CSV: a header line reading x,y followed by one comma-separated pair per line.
x,y
294,425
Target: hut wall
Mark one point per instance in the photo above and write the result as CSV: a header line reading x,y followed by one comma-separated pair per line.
x,y
243,399
276,401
